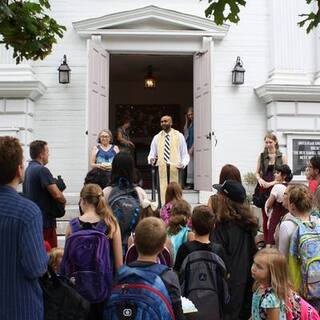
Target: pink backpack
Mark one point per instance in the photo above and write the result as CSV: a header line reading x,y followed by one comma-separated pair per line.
x,y
166,212
299,309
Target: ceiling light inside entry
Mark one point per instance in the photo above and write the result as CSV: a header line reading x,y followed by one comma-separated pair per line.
x,y
149,79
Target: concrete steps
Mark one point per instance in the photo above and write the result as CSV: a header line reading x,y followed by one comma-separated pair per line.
x,y
72,210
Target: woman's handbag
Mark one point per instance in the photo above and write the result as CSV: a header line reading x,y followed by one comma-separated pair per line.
x,y
260,196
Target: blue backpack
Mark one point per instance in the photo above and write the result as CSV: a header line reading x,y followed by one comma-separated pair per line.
x,y
140,294
125,205
304,251
87,262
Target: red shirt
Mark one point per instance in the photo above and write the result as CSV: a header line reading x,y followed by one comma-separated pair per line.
x,y
313,184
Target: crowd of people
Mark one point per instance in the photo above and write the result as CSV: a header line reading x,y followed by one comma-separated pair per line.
x,y
125,257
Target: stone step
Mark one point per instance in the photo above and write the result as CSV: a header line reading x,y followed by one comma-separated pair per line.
x,y
192,196
72,208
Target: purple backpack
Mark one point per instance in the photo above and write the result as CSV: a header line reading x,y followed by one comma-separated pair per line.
x,y
87,262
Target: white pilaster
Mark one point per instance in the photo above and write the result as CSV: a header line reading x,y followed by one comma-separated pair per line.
x,y
291,48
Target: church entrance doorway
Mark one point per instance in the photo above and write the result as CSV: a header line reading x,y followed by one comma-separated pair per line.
x,y
129,99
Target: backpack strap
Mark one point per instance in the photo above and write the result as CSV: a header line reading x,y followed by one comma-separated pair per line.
x,y
75,225
101,226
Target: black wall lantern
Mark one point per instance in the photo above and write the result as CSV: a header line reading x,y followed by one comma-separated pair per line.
x,y
238,72
64,71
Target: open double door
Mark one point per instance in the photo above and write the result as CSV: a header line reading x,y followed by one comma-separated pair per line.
x,y
98,105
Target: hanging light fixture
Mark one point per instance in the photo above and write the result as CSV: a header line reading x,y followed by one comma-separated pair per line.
x,y
64,71
238,72
149,79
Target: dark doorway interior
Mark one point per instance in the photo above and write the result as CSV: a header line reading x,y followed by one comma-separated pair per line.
x,y
128,98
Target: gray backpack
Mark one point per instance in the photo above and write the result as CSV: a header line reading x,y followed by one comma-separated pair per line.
x,y
202,279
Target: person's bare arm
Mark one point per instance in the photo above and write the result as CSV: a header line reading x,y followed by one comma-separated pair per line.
x,y
56,194
261,181
273,313
270,201
117,248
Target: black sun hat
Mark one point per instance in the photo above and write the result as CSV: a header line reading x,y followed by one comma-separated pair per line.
x,y
232,189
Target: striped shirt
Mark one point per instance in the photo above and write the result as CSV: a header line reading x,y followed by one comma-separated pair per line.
x,y
22,257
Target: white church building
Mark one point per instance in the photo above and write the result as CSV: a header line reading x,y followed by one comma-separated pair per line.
x,y
109,46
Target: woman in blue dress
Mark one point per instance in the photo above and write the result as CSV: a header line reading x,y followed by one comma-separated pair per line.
x,y
103,153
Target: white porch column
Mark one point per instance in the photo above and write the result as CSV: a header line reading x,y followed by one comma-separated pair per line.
x,y
292,50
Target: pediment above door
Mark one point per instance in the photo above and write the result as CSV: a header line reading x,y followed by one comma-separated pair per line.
x,y
152,21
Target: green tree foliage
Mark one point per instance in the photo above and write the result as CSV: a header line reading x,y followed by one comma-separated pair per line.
x,y
228,10
28,29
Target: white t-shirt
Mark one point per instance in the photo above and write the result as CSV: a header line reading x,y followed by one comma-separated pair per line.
x,y
278,191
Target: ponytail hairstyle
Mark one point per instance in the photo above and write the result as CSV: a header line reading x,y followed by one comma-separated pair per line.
x,y
92,194
180,214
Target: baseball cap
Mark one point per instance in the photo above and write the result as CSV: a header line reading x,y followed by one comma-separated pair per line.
x,y
232,189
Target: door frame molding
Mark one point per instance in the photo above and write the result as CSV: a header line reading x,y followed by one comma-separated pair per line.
x,y
151,30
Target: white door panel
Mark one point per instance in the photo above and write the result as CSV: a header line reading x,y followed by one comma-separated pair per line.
x,y
203,116
98,91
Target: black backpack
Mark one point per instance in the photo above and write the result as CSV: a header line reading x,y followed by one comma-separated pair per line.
x,y
125,204
61,300
202,280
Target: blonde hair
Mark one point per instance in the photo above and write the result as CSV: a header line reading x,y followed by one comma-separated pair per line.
x,y
278,272
55,256
273,137
317,199
301,197
93,195
179,216
150,236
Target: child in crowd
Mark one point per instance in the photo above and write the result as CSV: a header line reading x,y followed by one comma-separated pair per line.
x,y
95,209
55,258
312,182
150,237
148,209
173,193
201,259
273,297
274,208
235,229
300,203
304,247
271,288
178,229
87,249
202,225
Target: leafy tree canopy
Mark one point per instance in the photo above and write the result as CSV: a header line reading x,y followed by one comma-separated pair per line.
x,y
228,10
25,26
